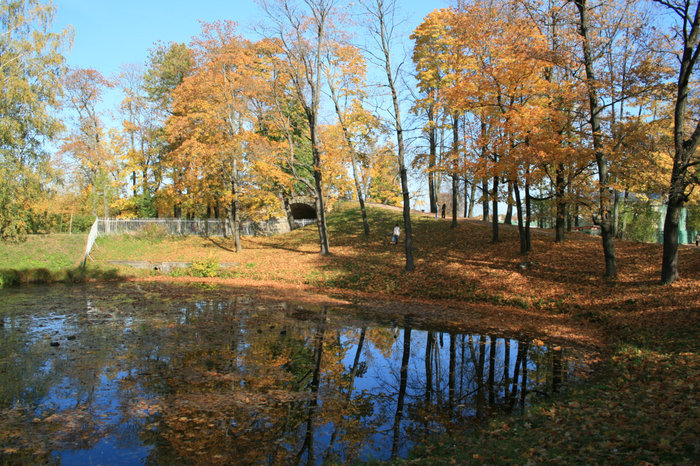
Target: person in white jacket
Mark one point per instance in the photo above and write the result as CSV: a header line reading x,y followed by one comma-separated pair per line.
x,y
395,237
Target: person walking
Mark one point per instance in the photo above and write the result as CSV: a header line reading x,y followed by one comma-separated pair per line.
x,y
396,234
444,206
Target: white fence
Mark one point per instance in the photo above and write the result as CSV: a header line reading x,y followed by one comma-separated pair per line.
x,y
194,227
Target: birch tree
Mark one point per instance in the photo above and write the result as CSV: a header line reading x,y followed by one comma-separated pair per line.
x,y
382,28
31,70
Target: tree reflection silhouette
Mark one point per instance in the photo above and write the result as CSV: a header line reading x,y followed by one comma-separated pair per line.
x,y
216,380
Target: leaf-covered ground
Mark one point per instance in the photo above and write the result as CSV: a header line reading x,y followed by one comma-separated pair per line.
x,y
641,404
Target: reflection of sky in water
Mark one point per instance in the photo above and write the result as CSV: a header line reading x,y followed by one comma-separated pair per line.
x,y
383,375
109,354
114,447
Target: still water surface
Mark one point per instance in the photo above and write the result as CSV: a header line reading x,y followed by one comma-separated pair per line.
x,y
133,374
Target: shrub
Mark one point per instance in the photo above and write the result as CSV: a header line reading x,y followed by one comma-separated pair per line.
x,y
9,278
39,276
641,221
81,223
208,267
145,204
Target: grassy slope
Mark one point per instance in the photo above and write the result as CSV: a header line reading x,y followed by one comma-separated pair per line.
x,y
52,252
641,405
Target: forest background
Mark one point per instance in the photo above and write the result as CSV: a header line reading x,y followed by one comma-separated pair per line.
x,y
568,111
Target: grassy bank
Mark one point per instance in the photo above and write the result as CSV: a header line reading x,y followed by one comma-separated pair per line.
x,y
639,407
48,259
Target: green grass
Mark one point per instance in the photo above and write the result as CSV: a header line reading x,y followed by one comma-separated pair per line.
x,y
52,252
47,259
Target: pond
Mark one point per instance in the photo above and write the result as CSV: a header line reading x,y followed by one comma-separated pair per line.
x,y
139,373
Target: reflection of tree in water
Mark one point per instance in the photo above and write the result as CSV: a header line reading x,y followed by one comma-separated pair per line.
x,y
233,381
252,390
455,380
260,390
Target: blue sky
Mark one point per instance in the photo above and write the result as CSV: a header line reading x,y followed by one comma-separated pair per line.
x,y
110,33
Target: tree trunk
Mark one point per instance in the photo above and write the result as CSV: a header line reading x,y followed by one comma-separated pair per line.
x,y
403,380
528,216
455,164
318,191
494,223
360,197
432,158
353,157
381,14
616,214
466,196
288,212
684,148
604,217
233,218
570,204
455,199
560,191
485,199
105,202
669,263
521,228
509,210
472,194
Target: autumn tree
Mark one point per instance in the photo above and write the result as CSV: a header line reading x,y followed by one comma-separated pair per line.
x,y
686,132
634,77
629,83
431,39
87,143
31,71
555,142
167,66
438,62
215,120
499,82
282,120
303,33
346,79
597,29
604,217
139,125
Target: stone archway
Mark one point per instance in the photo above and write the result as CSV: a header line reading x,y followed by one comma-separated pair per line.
x,y
302,211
